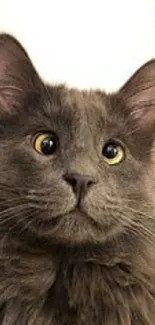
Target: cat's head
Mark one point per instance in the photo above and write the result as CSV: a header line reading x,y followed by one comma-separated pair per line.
x,y
75,166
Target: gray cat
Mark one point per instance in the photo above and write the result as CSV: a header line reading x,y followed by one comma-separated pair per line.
x,y
77,199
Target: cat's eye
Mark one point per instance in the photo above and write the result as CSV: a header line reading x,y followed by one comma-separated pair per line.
x,y
113,153
45,143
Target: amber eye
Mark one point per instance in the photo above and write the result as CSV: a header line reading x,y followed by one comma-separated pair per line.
x,y
45,143
113,153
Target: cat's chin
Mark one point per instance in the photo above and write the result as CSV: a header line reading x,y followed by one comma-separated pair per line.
x,y
77,228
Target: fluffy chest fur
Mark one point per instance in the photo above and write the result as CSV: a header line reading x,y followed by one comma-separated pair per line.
x,y
67,290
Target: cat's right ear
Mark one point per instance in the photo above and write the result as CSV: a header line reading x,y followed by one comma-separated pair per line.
x,y
18,77
138,95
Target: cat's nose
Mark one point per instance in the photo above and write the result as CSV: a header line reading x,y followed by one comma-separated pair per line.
x,y
80,183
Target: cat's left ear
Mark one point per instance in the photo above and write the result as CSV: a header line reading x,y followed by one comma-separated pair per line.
x,y
138,95
18,77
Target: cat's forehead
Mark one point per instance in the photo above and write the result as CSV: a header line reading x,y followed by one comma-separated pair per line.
x,y
79,102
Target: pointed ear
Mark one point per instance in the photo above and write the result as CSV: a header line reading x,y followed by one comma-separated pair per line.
x,y
17,74
139,95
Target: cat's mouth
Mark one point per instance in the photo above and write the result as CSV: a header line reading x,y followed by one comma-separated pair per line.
x,y
76,217
77,211
80,216
75,227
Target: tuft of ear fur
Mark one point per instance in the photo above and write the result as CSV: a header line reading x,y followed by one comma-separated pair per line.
x,y
139,95
17,74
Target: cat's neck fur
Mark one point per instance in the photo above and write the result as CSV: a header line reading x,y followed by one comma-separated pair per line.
x,y
100,288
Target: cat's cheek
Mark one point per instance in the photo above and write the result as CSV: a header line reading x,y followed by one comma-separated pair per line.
x,y
42,182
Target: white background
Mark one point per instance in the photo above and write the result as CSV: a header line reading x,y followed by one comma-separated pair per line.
x,y
87,43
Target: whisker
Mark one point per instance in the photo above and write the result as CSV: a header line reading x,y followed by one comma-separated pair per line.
x,y
11,213
139,213
138,228
29,220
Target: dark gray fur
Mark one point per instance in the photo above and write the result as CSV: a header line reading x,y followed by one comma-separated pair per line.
x,y
61,263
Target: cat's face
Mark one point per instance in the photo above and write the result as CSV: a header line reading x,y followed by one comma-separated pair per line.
x,y
75,166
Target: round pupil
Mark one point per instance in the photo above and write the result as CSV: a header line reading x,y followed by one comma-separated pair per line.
x,y
48,145
110,150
